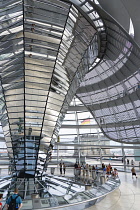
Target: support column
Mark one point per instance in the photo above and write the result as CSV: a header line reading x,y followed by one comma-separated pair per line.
x,y
78,137
124,161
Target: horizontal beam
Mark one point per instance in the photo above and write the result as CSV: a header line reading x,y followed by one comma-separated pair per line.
x,y
98,146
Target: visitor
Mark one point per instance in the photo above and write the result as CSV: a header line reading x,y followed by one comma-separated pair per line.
x,y
75,168
115,173
110,168
104,171
133,172
83,169
1,195
64,168
96,168
87,169
132,162
79,170
76,165
60,165
13,200
90,170
93,168
103,165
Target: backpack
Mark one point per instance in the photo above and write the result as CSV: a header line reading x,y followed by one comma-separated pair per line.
x,y
12,204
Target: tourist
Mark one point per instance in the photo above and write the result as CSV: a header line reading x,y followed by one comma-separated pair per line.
x,y
104,171
96,168
115,173
107,170
132,162
133,172
64,168
75,168
79,170
1,196
90,170
13,200
87,169
60,165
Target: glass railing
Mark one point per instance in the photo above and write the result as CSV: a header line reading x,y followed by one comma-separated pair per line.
x,y
80,198
76,193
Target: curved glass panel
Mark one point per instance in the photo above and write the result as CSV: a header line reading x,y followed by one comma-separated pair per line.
x,y
111,89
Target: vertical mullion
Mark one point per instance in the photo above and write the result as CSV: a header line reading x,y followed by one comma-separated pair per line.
x,y
24,85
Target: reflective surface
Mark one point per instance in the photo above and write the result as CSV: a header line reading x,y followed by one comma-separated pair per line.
x,y
44,46
111,89
47,48
49,192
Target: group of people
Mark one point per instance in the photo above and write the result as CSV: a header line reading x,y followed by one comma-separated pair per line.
x,y
132,162
127,161
13,202
62,168
107,170
87,169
